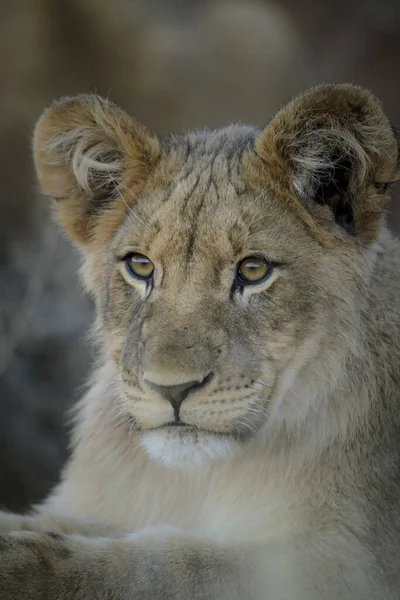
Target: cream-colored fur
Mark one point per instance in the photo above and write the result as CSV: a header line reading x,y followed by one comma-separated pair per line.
x,y
283,481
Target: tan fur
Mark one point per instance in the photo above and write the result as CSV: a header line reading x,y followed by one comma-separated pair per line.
x,y
284,483
81,148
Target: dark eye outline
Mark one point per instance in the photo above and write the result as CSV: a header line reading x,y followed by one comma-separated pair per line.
x,y
132,273
242,281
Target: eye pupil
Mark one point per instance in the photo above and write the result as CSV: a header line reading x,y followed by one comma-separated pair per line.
x,y
253,270
139,266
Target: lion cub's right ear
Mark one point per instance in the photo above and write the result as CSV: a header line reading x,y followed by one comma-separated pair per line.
x,y
86,150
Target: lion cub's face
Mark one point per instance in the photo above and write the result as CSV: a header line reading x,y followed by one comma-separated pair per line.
x,y
217,284
206,299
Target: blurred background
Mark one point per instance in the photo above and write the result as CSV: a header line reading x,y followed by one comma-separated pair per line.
x,y
173,64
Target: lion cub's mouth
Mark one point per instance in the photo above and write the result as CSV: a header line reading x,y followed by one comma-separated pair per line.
x,y
184,427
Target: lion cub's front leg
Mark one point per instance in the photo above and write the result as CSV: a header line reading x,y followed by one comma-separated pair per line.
x,y
159,563
50,523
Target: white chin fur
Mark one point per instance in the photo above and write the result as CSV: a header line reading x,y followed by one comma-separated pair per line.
x,y
185,449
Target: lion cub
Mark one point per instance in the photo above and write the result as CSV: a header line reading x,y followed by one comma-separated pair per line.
x,y
241,436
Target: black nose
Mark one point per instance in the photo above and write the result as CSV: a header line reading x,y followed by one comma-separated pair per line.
x,y
176,394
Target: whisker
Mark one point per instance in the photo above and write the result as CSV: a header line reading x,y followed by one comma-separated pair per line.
x,y
258,407
258,411
261,382
323,376
131,211
117,186
120,423
303,398
251,428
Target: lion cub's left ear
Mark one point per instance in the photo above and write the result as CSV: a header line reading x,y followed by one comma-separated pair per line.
x,y
334,149
86,152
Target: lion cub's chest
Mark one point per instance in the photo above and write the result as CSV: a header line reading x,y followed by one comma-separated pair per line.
x,y
230,502
251,498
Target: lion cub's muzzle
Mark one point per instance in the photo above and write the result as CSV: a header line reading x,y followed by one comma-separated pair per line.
x,y
176,394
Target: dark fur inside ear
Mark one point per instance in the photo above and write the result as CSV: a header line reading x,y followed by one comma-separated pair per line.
x,y
332,146
397,138
333,190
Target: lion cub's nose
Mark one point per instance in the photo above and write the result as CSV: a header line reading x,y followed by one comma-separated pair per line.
x,y
176,394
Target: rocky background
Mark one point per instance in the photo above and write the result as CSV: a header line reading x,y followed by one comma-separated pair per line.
x,y
173,64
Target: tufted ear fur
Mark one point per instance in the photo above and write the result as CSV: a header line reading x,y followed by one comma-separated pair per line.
x,y
86,150
335,150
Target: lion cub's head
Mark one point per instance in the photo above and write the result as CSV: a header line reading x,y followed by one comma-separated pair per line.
x,y
229,266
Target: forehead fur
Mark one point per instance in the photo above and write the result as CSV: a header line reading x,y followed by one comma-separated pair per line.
x,y
197,173
199,205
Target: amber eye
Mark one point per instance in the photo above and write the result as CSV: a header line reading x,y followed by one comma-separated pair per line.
x,y
139,266
253,269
